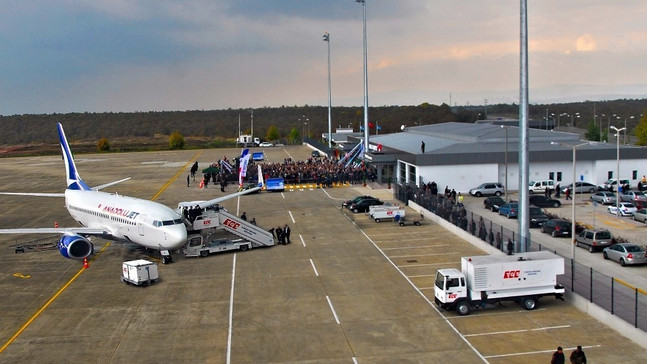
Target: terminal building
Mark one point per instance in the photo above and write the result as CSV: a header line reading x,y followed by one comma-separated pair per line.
x,y
462,156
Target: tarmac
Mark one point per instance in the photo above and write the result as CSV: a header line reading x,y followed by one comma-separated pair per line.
x,y
346,290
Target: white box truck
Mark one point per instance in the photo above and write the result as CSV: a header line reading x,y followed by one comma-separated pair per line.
x,y
139,272
523,277
383,212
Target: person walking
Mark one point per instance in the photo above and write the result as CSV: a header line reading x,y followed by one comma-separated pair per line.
x,y
422,147
567,193
510,246
286,232
558,356
499,240
578,356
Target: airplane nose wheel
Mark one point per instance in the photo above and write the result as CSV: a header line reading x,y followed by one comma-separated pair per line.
x,y
166,257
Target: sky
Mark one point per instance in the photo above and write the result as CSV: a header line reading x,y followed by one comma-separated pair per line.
x,y
160,55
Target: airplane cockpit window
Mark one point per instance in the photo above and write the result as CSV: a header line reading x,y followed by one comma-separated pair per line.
x,y
157,223
172,222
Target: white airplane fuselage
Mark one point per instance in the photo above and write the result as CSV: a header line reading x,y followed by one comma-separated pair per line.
x,y
143,222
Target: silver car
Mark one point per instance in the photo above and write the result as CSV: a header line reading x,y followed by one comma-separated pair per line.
x,y
641,215
490,188
605,198
581,187
625,253
631,196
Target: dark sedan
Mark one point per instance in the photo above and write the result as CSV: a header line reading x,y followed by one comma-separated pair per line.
x,y
363,205
493,203
357,199
543,201
557,227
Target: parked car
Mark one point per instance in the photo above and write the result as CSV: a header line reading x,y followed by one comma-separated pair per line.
x,y
641,215
625,253
363,205
557,227
543,201
355,200
493,203
604,198
316,154
631,196
490,188
509,210
266,144
540,186
582,187
594,239
537,216
610,184
626,209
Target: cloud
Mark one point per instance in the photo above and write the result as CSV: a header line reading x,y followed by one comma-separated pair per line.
x,y
585,43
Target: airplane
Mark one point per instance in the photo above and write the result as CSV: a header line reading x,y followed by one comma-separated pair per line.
x,y
112,216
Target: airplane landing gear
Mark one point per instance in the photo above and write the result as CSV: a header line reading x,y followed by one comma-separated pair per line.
x,y
166,257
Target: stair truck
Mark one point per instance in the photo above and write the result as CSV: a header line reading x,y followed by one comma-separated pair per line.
x,y
196,246
523,277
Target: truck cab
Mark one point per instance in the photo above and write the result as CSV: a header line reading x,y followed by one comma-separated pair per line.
x,y
450,287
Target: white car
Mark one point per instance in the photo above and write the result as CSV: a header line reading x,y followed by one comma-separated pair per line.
x,y
266,144
626,209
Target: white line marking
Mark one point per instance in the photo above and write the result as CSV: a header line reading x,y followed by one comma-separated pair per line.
x,y
414,247
497,314
303,242
291,217
333,310
231,309
282,195
422,276
314,268
538,352
420,255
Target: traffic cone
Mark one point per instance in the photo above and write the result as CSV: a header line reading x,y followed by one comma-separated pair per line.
x,y
56,224
202,183
85,263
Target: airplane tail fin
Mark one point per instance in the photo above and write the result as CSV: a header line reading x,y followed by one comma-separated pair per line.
x,y
74,181
261,181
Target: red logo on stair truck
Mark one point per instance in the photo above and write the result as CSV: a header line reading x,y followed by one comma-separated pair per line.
x,y
231,223
511,274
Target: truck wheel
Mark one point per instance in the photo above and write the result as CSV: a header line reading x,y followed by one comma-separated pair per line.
x,y
591,249
529,303
417,223
355,210
377,220
204,253
244,247
463,308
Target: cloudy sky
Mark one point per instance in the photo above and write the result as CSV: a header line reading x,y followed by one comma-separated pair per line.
x,y
146,55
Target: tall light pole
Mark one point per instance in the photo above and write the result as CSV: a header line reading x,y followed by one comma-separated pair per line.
x,y
573,194
617,168
524,163
363,2
326,38
506,163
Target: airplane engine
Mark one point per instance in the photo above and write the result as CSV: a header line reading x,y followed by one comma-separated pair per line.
x,y
75,247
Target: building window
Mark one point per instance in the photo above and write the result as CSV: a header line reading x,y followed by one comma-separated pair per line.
x,y
403,173
559,176
609,174
412,174
634,175
551,175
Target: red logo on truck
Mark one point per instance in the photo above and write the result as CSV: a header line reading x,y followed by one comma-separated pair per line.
x,y
511,274
206,222
231,223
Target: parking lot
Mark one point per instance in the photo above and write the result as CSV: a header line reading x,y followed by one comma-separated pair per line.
x,y
347,289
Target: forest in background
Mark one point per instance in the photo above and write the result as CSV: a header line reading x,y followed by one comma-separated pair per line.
x,y
36,133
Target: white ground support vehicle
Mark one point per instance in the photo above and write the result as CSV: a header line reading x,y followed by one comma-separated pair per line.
x,y
139,272
197,247
484,279
382,212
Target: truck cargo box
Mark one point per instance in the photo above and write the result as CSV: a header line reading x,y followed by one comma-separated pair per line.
x,y
139,272
507,272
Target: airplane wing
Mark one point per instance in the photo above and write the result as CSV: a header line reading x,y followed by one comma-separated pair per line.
x,y
109,184
76,230
39,194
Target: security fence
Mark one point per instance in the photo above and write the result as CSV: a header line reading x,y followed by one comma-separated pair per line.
x,y
620,299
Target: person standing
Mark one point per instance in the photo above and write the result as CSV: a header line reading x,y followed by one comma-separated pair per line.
x,y
243,216
286,232
187,181
510,246
578,356
567,193
422,147
558,356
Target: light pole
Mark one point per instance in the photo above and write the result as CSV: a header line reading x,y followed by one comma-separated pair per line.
x,y
326,38
363,2
617,168
573,194
506,164
304,120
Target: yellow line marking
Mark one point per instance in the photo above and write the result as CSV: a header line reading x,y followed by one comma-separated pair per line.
x,y
642,291
20,275
195,156
49,302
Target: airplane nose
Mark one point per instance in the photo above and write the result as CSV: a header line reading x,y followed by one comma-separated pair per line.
x,y
176,238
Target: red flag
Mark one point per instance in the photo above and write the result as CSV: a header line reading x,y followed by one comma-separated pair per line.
x,y
371,125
